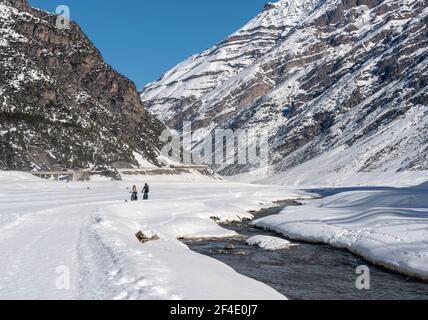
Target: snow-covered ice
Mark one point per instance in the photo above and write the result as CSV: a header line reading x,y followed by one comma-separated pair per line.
x,y
270,243
77,240
387,226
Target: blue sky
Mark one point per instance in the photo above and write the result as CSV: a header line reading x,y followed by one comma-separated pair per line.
x,y
142,39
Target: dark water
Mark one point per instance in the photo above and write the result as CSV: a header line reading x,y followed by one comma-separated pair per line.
x,y
309,271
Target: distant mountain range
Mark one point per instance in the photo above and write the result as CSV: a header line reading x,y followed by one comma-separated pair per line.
x,y
338,86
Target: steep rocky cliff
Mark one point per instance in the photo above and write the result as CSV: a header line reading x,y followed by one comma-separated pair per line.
x,y
61,105
341,92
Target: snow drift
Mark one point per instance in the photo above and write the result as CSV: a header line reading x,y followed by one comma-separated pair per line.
x,y
387,226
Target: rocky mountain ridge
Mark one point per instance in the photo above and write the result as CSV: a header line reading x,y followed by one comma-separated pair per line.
x,y
342,92
61,105
180,93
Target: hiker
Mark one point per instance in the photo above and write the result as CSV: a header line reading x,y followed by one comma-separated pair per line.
x,y
146,191
134,196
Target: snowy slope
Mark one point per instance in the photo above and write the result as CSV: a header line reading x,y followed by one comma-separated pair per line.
x,y
342,93
49,230
386,226
180,91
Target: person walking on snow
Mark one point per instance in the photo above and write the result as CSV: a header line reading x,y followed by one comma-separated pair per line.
x,y
134,196
146,191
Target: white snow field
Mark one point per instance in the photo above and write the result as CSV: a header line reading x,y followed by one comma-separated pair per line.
x,y
387,226
77,240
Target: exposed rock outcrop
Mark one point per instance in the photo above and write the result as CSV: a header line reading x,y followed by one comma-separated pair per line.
x,y
61,105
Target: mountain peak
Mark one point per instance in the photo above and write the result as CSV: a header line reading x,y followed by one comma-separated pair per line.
x,y
346,81
270,6
200,74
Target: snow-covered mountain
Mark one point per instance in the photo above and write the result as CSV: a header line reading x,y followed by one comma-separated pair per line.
x,y
61,105
342,88
180,93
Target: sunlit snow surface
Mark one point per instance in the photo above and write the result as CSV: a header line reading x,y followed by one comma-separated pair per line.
x,y
388,226
49,230
270,243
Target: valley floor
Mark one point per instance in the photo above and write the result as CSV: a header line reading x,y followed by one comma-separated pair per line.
x,y
77,240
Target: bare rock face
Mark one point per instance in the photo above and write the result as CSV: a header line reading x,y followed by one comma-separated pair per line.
x,y
343,90
144,238
61,105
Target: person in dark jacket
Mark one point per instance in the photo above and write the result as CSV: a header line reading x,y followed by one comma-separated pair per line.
x,y
134,196
146,191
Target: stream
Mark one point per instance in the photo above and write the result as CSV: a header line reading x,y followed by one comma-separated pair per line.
x,y
308,271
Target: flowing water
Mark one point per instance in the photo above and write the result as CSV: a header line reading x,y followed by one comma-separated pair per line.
x,y
309,271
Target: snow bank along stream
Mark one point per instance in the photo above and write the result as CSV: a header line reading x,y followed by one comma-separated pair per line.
x,y
387,226
303,271
85,233
77,240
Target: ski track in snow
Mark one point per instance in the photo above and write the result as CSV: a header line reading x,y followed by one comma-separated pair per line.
x,y
91,231
46,226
